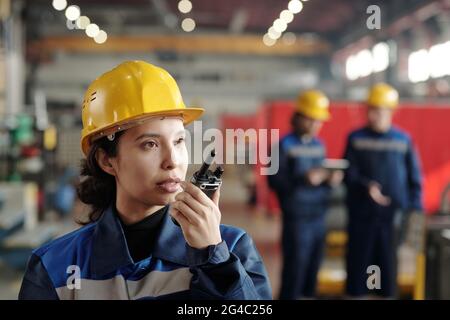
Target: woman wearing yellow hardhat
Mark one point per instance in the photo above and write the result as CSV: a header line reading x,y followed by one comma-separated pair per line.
x,y
133,179
302,185
383,182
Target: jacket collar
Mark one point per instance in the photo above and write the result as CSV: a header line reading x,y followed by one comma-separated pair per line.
x,y
110,250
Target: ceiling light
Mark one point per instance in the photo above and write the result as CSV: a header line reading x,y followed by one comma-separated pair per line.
x,y
188,24
274,34
101,37
279,25
92,30
268,41
286,16
295,6
185,6
82,22
59,4
72,13
289,38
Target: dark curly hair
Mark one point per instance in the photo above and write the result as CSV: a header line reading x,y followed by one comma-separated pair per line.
x,y
97,188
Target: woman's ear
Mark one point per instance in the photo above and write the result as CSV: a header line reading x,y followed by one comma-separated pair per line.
x,y
104,162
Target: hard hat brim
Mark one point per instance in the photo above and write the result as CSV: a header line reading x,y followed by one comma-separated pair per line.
x,y
381,106
188,114
319,116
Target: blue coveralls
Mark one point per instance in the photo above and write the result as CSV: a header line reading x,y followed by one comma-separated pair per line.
x,y
390,160
94,263
303,207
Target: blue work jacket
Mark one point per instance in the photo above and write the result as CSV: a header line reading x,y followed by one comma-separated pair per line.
x,y
296,157
94,262
386,158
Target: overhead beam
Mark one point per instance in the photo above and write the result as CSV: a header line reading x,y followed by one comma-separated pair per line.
x,y
216,44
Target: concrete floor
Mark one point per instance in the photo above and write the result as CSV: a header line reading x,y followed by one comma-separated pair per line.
x,y
10,281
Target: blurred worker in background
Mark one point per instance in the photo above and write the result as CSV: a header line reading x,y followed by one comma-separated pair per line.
x,y
302,186
383,180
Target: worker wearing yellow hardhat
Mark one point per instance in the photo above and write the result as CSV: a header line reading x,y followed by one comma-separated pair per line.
x,y
303,185
383,182
314,105
133,137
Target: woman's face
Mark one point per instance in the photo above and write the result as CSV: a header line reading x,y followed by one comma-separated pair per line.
x,y
151,161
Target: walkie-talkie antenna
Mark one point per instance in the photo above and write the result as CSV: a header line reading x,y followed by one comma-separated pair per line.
x,y
205,166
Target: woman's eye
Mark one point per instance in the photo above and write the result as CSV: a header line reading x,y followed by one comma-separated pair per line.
x,y
179,141
149,145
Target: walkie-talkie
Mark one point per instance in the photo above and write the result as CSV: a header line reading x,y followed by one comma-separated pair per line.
x,y
205,179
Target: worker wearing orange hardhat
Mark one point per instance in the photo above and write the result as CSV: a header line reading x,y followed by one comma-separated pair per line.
x,y
383,179
133,137
303,185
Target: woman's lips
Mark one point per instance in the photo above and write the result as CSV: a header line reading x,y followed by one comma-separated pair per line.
x,y
170,185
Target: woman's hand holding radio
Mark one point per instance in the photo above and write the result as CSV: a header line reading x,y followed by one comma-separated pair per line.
x,y
198,215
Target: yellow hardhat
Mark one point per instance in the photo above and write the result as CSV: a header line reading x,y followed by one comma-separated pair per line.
x,y
128,94
313,104
382,95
